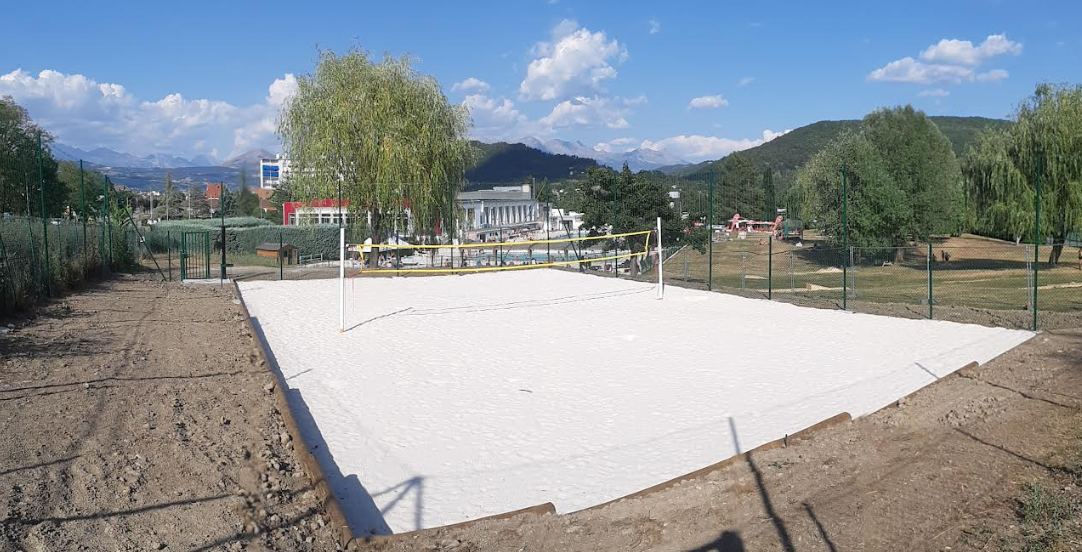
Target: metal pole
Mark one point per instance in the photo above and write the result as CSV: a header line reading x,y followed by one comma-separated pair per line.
x,y
1036,242
82,202
660,264
221,208
47,280
341,280
930,253
615,210
710,236
281,270
770,268
108,234
792,275
845,238
548,222
169,253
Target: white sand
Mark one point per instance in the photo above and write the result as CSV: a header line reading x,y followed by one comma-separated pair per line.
x,y
457,397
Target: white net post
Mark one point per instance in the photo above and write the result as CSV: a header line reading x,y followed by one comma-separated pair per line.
x,y
342,279
660,264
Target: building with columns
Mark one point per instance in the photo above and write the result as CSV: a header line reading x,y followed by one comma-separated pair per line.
x,y
501,209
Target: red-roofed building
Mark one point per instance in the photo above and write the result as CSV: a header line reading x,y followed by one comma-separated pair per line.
x,y
214,193
318,211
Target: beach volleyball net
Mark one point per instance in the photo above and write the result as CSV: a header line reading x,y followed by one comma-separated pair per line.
x,y
612,252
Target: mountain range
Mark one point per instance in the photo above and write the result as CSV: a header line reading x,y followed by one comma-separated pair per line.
x,y
106,157
637,159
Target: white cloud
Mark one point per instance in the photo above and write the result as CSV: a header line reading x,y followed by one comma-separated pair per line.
x,y
84,113
496,119
471,85
910,70
995,75
282,89
746,81
576,62
950,61
619,145
708,102
963,52
696,148
585,111
655,27
934,93
637,100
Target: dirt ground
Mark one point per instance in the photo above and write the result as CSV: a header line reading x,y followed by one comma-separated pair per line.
x,y
136,416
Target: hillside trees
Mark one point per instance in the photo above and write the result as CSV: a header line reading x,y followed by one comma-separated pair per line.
x,y
1002,170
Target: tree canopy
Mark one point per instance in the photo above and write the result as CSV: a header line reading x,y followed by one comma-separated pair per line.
x,y
1001,171
384,131
904,182
20,185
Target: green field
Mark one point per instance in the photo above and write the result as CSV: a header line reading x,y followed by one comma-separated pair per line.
x,y
980,273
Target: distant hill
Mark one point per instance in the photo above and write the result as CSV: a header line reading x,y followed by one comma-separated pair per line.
x,y
637,159
790,151
502,163
106,157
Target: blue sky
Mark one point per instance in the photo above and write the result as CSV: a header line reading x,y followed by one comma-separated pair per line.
x,y
695,79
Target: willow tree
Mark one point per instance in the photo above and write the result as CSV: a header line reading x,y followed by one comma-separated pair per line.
x,y
384,131
1002,170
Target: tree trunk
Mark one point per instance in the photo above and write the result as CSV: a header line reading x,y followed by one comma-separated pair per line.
x,y
899,255
1057,249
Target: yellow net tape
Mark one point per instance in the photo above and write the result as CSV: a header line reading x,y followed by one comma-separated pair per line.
x,y
500,244
490,245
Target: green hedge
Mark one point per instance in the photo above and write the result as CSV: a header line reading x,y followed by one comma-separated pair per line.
x,y
309,240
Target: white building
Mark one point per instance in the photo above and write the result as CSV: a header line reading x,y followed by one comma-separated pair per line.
x,y
273,172
501,209
560,220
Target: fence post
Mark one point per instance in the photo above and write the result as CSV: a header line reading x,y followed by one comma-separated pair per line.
x,y
770,268
169,253
615,241
82,202
743,267
281,268
845,239
710,235
930,299
792,275
46,277
1036,242
660,264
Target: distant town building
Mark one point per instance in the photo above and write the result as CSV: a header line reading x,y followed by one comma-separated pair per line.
x,y
503,208
319,211
214,193
273,172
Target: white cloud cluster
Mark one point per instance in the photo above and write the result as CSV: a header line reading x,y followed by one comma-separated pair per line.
x,y
576,62
746,81
950,61
85,113
963,52
655,27
708,102
585,111
471,85
696,148
619,145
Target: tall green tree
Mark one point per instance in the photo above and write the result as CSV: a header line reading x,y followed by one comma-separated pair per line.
x,y
1002,170
737,188
227,203
383,131
877,208
169,192
770,200
247,203
94,183
921,163
20,182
